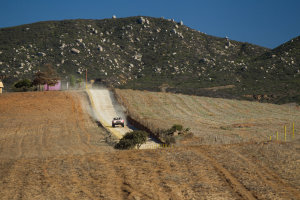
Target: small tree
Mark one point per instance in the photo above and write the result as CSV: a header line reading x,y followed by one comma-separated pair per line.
x,y
72,80
79,82
51,74
40,79
49,77
132,139
24,84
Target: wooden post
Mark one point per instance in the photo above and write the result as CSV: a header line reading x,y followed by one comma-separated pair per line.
x,y
285,133
293,130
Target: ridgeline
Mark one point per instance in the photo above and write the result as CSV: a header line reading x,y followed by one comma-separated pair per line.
x,y
153,54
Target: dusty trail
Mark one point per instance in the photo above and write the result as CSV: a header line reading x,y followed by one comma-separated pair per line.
x,y
106,108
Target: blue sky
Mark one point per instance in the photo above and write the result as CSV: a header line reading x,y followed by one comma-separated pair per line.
x,y
267,23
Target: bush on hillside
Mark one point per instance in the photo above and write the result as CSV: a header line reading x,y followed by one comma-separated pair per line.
x,y
23,85
132,139
170,135
176,127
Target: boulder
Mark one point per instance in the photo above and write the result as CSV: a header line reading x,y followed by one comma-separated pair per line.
x,y
41,54
100,48
63,45
203,60
147,21
79,40
114,16
138,57
76,51
141,20
244,68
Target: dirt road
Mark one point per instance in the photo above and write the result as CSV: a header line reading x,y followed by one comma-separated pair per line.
x,y
106,108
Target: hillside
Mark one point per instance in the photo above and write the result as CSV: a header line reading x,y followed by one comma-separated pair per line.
x,y
152,54
212,120
44,124
52,149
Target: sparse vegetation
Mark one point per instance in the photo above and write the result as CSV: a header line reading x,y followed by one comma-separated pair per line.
x,y
169,136
161,59
213,120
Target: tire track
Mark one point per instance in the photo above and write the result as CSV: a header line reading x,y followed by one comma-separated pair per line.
x,y
270,178
20,142
236,186
49,180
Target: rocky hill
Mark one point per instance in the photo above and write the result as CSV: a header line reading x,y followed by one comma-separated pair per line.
x,y
152,54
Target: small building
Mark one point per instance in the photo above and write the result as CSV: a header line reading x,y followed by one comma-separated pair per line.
x,y
57,86
1,86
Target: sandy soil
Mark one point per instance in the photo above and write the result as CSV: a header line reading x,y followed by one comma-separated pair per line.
x,y
51,149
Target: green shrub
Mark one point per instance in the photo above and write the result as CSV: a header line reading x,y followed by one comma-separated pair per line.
x,y
125,144
176,127
72,80
132,139
23,85
168,136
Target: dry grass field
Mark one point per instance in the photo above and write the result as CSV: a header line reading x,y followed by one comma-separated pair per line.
x,y
51,149
212,120
41,124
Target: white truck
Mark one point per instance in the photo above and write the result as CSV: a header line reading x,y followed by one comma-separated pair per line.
x,y
117,121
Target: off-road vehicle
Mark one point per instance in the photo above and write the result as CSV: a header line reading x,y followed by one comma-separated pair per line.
x,y
117,121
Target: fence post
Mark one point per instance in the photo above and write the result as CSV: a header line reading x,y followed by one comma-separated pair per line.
x,y
293,130
285,133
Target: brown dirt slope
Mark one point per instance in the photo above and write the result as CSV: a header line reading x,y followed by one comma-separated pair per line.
x,y
247,171
42,124
43,157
